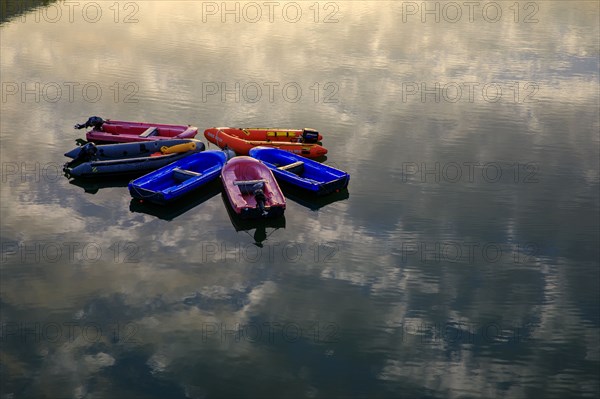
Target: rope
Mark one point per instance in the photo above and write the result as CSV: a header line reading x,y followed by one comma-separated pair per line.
x,y
141,194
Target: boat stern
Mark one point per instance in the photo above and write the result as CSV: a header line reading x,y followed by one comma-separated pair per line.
x,y
256,213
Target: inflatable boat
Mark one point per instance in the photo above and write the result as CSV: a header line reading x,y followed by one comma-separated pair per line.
x,y
91,160
110,131
305,135
236,140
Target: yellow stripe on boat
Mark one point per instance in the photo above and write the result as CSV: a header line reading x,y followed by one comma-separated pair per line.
x,y
178,148
280,133
278,143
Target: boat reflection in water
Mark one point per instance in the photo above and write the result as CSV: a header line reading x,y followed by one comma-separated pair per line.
x,y
92,186
177,207
311,201
259,226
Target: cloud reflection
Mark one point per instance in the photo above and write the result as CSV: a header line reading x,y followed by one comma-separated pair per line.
x,y
351,272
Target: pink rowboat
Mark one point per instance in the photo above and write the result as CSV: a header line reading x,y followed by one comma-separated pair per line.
x,y
252,189
110,131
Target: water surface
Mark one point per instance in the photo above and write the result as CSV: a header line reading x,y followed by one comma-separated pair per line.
x,y
462,262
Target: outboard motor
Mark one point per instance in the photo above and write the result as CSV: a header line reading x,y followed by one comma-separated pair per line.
x,y
94,121
87,152
260,198
310,135
256,188
80,155
229,153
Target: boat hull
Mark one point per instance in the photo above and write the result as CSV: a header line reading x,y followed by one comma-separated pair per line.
x,y
308,175
124,159
305,135
178,207
168,183
130,132
241,175
225,138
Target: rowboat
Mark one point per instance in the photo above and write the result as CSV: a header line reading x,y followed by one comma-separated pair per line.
x,y
251,188
91,160
237,140
306,174
181,177
110,131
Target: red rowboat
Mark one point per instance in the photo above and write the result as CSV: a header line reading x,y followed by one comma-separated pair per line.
x,y
110,131
301,142
251,188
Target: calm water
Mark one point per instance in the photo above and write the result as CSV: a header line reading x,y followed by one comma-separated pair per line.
x,y
463,261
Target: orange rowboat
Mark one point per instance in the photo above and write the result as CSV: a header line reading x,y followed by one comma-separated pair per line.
x,y
243,140
305,135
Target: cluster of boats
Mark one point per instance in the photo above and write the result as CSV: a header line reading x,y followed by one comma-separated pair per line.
x,y
251,163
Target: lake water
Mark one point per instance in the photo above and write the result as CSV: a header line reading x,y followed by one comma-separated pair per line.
x,y
462,262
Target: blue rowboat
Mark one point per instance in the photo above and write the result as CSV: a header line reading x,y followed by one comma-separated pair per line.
x,y
309,175
126,159
178,178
